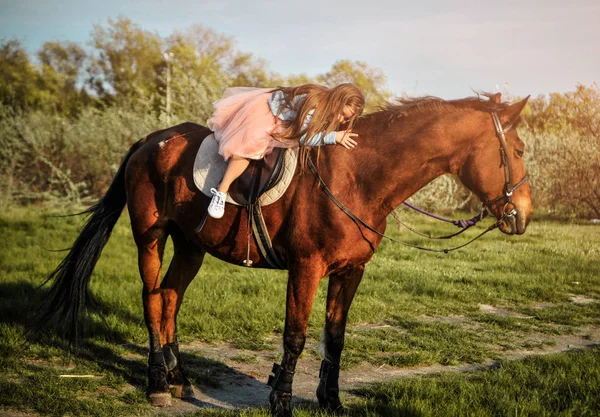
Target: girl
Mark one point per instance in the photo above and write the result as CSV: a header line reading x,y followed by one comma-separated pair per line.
x,y
249,122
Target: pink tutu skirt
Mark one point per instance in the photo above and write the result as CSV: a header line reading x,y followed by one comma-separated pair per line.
x,y
243,124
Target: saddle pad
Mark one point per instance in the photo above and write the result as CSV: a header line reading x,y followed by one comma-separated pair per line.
x,y
209,168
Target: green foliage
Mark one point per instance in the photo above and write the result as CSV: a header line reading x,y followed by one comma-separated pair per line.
x,y
563,137
197,59
127,61
18,77
370,80
445,194
50,158
61,67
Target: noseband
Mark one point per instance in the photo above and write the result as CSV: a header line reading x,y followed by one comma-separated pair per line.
x,y
509,207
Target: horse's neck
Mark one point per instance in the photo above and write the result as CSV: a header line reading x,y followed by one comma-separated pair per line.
x,y
394,162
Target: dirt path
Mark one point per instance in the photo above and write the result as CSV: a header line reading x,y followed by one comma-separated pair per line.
x,y
242,379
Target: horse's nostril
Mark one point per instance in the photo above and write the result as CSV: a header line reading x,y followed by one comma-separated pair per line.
x,y
510,225
521,222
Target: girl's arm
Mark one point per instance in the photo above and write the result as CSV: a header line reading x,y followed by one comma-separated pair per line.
x,y
277,100
319,139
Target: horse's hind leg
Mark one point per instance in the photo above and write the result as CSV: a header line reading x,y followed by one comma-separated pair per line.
x,y
151,244
184,266
340,294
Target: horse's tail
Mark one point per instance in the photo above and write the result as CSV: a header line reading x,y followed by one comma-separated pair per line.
x,y
69,294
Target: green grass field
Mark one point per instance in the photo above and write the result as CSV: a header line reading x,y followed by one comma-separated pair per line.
x,y
497,297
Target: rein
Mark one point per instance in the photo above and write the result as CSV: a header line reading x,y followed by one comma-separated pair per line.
x,y
463,224
358,220
509,209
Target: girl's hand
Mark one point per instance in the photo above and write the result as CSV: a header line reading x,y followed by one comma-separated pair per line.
x,y
346,138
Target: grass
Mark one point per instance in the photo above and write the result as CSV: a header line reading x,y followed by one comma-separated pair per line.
x,y
412,308
566,384
558,385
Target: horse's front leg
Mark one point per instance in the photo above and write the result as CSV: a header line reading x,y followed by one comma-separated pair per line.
x,y
303,282
342,287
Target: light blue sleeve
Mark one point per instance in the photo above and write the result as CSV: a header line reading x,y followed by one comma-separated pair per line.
x,y
319,139
277,100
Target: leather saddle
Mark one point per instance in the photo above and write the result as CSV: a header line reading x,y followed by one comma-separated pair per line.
x,y
268,177
260,176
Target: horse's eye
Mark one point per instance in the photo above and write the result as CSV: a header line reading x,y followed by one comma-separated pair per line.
x,y
519,153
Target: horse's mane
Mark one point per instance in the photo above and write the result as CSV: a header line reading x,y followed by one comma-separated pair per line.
x,y
406,106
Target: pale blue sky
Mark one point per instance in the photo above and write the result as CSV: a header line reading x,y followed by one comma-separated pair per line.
x,y
443,48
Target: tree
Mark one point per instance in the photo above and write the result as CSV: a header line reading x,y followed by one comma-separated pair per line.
x,y
370,80
246,70
197,59
18,77
564,132
62,65
128,61
203,63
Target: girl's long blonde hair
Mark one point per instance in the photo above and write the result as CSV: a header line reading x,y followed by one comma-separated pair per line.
x,y
328,104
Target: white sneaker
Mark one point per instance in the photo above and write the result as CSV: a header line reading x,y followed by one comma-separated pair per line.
x,y
216,209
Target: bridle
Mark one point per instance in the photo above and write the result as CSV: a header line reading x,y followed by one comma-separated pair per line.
x,y
508,211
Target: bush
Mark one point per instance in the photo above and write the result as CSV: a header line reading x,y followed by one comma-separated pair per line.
x,y
50,158
562,134
53,158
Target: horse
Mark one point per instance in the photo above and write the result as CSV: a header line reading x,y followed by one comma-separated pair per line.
x,y
401,148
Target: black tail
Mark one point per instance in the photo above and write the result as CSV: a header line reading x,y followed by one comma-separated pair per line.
x,y
69,293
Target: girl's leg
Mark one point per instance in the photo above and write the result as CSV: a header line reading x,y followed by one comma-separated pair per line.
x,y
236,166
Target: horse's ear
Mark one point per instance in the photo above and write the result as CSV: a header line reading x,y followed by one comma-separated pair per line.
x,y
511,114
496,98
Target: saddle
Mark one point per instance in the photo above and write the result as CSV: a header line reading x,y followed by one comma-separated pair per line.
x,y
260,176
261,184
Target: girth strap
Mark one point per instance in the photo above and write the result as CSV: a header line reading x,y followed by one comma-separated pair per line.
x,y
263,240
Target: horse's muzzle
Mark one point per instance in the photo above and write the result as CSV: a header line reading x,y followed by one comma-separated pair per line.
x,y
516,224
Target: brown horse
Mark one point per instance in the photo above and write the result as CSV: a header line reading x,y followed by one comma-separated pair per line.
x,y
401,149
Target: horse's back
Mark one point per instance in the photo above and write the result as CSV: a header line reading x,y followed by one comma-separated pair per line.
x,y
168,151
160,172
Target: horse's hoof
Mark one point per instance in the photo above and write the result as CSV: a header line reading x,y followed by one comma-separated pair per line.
x,y
184,392
281,403
281,412
188,393
340,410
335,408
160,399
331,404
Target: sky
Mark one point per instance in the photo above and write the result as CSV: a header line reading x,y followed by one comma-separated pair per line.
x,y
446,48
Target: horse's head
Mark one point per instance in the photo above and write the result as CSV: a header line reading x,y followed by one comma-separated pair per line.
x,y
494,169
